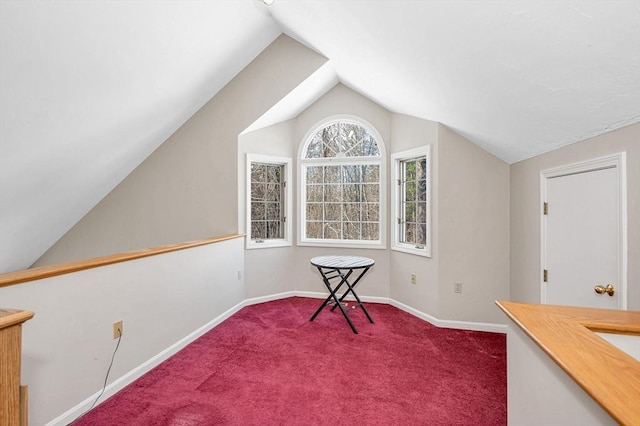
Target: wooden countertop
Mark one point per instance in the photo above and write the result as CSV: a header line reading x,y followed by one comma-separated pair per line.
x,y
9,317
567,334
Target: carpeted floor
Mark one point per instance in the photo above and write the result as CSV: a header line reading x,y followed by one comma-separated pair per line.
x,y
269,365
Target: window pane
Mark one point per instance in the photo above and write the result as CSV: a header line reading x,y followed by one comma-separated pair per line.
x,y
257,211
351,174
371,212
371,192
410,212
421,213
273,211
272,192
332,193
421,190
351,193
421,172
410,171
351,211
332,174
258,191
370,231
370,173
352,230
409,233
266,201
314,211
342,139
421,234
314,229
332,211
274,229
258,230
258,172
273,174
332,230
314,174
314,193
410,191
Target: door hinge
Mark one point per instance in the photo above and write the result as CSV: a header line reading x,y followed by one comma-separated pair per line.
x,y
545,208
545,276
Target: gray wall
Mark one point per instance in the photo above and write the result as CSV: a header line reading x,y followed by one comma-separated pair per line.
x,y
525,263
470,240
171,197
473,230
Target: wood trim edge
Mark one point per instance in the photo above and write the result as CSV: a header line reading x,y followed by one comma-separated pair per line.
x,y
567,335
26,275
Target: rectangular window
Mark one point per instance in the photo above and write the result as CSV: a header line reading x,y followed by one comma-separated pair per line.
x,y
343,202
268,198
412,231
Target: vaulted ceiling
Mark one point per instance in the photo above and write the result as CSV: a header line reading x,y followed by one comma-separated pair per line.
x,y
88,89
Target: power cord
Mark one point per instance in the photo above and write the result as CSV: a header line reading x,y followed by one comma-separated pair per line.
x,y
104,386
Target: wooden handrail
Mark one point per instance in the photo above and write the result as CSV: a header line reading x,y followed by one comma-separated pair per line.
x,y
26,275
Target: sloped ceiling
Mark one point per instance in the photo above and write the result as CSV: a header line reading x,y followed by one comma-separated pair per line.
x,y
90,89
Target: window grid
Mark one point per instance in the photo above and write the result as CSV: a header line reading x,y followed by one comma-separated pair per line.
x,y
343,202
413,202
267,213
341,189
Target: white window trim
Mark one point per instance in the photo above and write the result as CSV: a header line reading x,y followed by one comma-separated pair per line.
x,y
301,184
287,194
395,196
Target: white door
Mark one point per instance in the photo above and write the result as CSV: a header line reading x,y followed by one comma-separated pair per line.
x,y
583,252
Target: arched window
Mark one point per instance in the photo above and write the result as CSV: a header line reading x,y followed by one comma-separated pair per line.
x,y
341,185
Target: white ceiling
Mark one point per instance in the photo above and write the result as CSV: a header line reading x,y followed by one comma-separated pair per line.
x,y
89,89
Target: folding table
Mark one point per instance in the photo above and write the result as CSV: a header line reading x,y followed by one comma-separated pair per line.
x,y
342,267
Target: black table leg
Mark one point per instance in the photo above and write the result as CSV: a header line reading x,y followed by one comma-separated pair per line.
x,y
333,293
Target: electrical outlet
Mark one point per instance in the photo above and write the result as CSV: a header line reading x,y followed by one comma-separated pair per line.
x,y
117,329
457,287
413,279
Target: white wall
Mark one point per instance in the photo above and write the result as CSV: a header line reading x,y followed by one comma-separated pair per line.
x,y
68,344
187,189
525,210
540,393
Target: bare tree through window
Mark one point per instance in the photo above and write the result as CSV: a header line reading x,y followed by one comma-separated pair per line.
x,y
342,184
266,201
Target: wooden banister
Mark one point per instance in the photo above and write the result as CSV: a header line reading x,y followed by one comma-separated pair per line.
x,y
26,275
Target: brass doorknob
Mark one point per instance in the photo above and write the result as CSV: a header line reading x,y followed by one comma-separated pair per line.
x,y
609,289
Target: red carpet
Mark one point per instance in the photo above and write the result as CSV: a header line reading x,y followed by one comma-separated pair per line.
x,y
269,365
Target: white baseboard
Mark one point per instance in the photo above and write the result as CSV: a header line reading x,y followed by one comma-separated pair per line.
x,y
461,325
120,383
320,295
269,298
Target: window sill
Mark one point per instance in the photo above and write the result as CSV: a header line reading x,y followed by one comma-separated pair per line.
x,y
412,250
345,244
252,245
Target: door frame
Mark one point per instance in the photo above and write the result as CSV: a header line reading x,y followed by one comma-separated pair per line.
x,y
614,161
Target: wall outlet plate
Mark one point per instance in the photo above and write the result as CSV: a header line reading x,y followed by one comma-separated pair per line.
x,y
117,329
